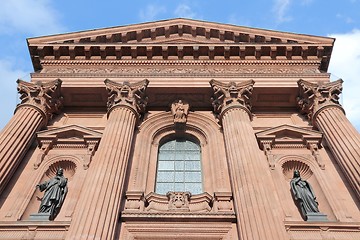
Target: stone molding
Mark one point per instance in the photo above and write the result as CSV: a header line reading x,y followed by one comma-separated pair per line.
x,y
287,136
315,97
131,95
227,96
45,97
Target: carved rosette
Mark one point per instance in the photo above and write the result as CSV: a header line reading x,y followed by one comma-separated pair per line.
x,y
226,96
45,97
131,95
314,97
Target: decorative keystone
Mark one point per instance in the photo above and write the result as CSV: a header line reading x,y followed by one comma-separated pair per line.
x,y
45,97
314,97
132,95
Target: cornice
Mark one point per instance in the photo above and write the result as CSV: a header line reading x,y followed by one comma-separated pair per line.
x,y
181,62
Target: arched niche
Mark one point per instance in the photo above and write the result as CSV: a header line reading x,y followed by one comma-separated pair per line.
x,y
309,171
71,166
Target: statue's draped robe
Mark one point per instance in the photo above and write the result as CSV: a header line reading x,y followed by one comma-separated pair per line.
x,y
304,195
55,191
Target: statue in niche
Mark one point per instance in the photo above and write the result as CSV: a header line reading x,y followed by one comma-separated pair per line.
x,y
304,195
55,192
180,110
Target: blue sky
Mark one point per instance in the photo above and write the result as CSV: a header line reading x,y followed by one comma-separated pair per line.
x,y
21,19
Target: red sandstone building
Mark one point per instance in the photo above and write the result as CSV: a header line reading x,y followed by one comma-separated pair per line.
x,y
180,129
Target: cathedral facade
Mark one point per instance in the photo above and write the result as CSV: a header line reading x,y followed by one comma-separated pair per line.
x,y
180,129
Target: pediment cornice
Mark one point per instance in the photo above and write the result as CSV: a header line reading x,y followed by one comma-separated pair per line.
x,y
288,135
180,38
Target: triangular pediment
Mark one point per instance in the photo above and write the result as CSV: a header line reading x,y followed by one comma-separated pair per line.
x,y
181,30
287,135
180,39
288,132
71,133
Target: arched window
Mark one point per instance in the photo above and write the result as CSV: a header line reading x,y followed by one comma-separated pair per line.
x,y
179,167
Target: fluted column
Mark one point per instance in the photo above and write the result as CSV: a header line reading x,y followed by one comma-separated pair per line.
x,y
98,208
256,208
38,102
320,103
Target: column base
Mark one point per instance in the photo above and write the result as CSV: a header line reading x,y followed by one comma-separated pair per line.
x,y
316,217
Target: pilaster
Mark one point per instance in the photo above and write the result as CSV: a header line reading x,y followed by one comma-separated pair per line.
x,y
320,103
98,210
250,179
38,102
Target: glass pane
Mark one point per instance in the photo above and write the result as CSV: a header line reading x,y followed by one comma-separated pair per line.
x,y
166,165
163,188
180,155
179,165
179,177
166,155
168,146
165,177
193,176
192,165
179,187
194,188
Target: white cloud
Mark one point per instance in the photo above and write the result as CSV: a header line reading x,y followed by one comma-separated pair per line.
x,y
35,17
280,8
345,63
8,93
151,12
184,11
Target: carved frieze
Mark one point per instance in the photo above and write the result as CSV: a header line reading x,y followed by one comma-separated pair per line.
x,y
231,94
179,70
44,96
314,96
128,94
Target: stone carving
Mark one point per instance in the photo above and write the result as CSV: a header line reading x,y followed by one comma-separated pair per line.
x,y
44,96
231,93
181,71
180,110
313,96
132,95
179,200
55,192
304,196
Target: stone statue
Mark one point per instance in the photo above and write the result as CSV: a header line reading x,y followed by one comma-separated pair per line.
x,y
55,192
180,111
304,195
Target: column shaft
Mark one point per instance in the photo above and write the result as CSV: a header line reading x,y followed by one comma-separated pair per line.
x,y
344,142
97,213
15,140
255,206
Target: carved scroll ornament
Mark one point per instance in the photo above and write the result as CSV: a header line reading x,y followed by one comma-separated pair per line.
x,y
132,95
231,94
313,96
44,96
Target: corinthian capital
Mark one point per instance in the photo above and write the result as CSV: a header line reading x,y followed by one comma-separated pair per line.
x,y
132,95
314,97
231,94
45,97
